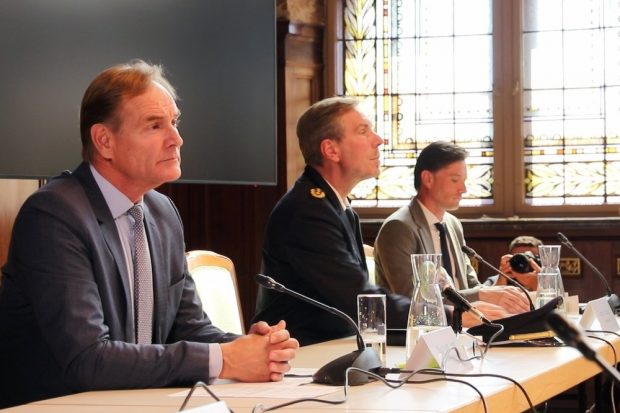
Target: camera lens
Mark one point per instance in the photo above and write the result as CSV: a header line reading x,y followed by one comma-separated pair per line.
x,y
520,263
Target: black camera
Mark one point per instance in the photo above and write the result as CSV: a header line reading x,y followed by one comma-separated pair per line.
x,y
521,262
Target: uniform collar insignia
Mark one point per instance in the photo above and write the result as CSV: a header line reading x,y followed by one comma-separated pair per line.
x,y
317,193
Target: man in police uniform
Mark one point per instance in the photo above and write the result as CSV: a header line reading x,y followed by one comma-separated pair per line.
x,y
313,242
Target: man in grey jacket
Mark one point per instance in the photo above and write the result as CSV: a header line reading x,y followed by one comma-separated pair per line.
x,y
439,179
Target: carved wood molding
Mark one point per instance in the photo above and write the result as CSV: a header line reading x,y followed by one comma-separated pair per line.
x,y
302,44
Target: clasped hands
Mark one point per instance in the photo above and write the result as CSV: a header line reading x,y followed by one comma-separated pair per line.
x,y
261,355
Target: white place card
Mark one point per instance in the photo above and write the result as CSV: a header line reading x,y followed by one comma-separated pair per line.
x,y
599,310
435,348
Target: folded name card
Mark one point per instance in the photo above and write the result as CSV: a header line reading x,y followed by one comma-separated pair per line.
x,y
599,310
438,349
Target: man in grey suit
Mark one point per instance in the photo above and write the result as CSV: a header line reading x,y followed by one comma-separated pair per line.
x,y
439,179
67,314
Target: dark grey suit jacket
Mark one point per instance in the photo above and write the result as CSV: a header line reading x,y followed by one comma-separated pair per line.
x,y
406,232
65,306
311,248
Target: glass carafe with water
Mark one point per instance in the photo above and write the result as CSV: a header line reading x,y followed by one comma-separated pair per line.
x,y
426,311
550,283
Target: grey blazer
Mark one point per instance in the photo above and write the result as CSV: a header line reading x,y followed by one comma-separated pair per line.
x,y
406,232
66,323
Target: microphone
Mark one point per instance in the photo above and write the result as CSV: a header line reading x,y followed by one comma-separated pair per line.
x,y
471,253
569,334
333,373
612,299
573,337
459,301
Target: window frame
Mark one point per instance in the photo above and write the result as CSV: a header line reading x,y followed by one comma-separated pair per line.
x,y
509,188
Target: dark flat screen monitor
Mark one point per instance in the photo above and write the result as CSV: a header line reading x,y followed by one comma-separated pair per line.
x,y
219,54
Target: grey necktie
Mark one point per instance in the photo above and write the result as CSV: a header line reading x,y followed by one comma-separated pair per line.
x,y
445,252
142,279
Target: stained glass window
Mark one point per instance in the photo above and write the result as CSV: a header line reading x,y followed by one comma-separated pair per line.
x,y
424,70
571,102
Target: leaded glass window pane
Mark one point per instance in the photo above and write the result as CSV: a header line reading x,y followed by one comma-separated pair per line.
x,y
423,69
571,102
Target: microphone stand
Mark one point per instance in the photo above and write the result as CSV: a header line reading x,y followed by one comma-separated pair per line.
x,y
612,299
334,372
460,306
471,253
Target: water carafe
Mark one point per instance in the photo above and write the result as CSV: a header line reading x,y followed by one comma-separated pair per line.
x,y
426,311
550,283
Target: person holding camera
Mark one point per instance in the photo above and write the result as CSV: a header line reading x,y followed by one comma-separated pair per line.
x,y
522,263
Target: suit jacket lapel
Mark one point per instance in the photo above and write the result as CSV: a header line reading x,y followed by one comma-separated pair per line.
x,y
422,228
110,235
428,246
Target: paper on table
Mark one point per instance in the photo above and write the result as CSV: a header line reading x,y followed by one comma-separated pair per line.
x,y
289,388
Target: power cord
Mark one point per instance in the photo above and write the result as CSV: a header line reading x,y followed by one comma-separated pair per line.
x,y
603,331
498,376
394,384
381,372
438,372
500,330
610,344
378,374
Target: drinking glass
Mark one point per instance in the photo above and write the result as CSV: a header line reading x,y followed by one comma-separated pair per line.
x,y
371,320
549,278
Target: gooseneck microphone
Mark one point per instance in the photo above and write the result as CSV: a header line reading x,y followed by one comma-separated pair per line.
x,y
571,336
459,301
612,299
471,254
333,373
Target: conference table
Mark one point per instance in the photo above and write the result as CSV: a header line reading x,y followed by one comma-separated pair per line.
x,y
542,371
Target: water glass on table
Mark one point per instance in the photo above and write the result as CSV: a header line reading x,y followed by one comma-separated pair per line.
x,y
371,320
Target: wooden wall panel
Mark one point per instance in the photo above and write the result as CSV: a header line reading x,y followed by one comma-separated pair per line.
x,y
228,219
